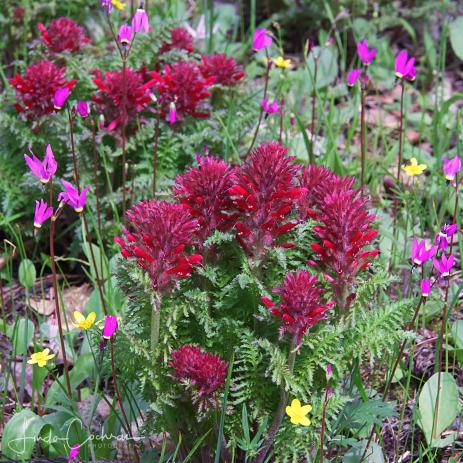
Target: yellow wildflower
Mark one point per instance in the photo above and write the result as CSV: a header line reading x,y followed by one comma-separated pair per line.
x,y
413,168
297,413
41,358
118,4
82,322
282,63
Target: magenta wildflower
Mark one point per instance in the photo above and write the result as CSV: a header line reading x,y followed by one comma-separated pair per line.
x,y
172,113
60,97
140,21
270,108
72,197
106,5
405,67
443,237
353,76
302,305
329,393
83,108
451,168
262,39
74,454
125,34
365,54
329,371
45,170
425,287
42,213
444,265
110,326
419,252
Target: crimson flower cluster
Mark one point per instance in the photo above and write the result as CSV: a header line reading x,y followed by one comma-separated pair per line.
x,y
63,34
180,39
156,239
182,83
264,193
301,304
120,98
205,371
204,191
224,69
36,89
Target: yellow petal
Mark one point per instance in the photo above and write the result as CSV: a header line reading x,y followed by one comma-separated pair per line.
x,y
294,420
306,409
296,404
32,361
78,316
289,411
49,357
304,421
45,351
91,317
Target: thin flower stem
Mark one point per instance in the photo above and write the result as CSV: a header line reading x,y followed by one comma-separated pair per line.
x,y
281,408
155,322
123,123
399,156
55,296
261,113
362,139
155,157
95,168
280,137
119,399
314,104
322,431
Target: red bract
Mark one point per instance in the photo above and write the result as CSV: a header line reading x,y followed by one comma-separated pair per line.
x,y
182,83
157,236
62,34
224,69
204,191
302,305
114,90
205,371
180,39
344,231
264,193
37,88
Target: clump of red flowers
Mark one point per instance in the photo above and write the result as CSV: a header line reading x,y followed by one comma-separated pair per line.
x,y
183,84
35,90
224,69
264,193
180,39
157,236
204,191
301,304
120,98
205,371
63,34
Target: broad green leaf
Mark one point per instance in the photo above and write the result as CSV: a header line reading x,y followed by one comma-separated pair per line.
x,y
98,262
327,67
448,406
456,36
374,454
457,333
27,273
20,434
21,334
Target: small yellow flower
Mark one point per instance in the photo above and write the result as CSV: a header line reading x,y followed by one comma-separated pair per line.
x,y
118,4
282,63
413,168
297,413
41,358
82,322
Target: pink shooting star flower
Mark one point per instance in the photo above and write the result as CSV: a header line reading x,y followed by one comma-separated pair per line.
x,y
420,254
444,265
110,326
365,54
140,22
353,77
405,67
61,95
262,39
74,454
125,34
451,168
270,108
83,108
45,170
443,237
329,371
42,213
425,287
106,5
172,113
72,197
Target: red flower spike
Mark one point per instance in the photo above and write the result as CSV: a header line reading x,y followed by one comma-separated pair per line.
x,y
222,68
205,371
204,192
63,34
118,240
267,302
180,39
301,304
36,89
263,187
162,230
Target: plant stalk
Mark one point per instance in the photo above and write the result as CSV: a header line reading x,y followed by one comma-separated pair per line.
x,y
314,104
155,157
362,139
